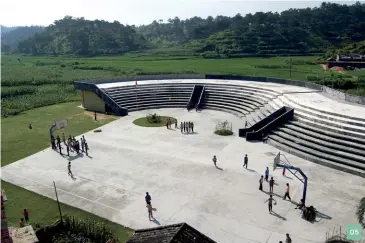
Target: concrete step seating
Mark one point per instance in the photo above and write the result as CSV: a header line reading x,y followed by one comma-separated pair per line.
x,y
350,122
258,97
248,100
314,152
328,136
234,102
227,105
142,102
268,92
325,112
223,108
322,146
315,159
321,137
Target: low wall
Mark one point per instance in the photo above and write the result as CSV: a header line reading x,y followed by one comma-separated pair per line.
x,y
337,94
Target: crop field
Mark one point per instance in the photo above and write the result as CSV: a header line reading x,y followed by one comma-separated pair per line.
x,y
30,82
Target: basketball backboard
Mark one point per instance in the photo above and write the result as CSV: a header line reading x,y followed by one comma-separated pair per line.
x,y
61,124
276,161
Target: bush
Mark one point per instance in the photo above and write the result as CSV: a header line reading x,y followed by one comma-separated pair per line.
x,y
153,118
312,78
270,66
223,132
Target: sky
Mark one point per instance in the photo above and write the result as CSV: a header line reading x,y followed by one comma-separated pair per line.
x,y
135,12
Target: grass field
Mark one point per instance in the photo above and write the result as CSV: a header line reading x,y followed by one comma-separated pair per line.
x,y
30,82
18,141
143,122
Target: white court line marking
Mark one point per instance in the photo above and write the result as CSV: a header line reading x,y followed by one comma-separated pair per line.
x,y
58,189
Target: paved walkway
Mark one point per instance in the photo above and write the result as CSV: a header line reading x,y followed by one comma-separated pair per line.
x,y
126,161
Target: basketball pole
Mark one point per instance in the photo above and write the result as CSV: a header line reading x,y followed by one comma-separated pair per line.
x,y
58,202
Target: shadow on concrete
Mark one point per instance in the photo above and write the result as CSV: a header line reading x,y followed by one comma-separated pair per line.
x,y
219,168
278,215
73,177
288,177
273,193
90,157
250,170
80,155
323,216
155,221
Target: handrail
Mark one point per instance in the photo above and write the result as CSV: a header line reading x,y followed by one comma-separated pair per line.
x,y
288,114
201,95
191,95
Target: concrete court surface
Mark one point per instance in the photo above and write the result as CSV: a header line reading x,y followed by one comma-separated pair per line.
x,y
125,161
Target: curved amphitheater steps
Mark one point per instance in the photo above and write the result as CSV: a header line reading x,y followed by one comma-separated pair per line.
x,y
237,99
322,137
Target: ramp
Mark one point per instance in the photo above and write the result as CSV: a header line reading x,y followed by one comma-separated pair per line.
x,y
196,96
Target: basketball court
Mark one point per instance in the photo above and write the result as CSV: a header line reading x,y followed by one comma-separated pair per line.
x,y
125,161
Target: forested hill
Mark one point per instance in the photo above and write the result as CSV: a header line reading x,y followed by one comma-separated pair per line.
x,y
10,37
80,37
292,32
295,31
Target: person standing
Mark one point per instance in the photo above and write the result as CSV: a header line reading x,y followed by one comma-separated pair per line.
x,y
215,160
196,107
261,181
270,203
287,192
60,148
271,183
53,143
184,126
95,115
148,198
86,148
69,169
245,162
267,174
181,127
288,239
68,149
167,123
175,123
284,171
192,127
149,208
82,145
246,124
26,215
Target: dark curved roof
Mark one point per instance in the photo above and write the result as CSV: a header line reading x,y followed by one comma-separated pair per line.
x,y
175,233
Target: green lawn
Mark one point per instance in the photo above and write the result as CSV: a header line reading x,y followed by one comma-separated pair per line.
x,y
143,122
18,141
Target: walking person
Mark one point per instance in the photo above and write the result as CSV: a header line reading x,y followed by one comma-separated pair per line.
x,y
82,145
215,161
261,181
287,192
196,107
245,124
271,183
148,198
245,162
86,148
69,169
167,123
270,203
284,171
26,215
150,209
288,239
95,115
267,174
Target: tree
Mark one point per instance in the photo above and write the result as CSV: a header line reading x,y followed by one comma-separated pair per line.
x,y
360,212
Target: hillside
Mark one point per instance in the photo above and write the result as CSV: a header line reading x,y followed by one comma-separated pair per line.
x,y
308,31
294,32
10,38
79,37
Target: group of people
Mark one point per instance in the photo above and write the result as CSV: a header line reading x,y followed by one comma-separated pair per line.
x,y
187,127
72,144
24,219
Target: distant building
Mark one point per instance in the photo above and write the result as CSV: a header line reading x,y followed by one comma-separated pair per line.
x,y
348,61
175,233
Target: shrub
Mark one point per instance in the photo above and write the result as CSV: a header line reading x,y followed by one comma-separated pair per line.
x,y
153,118
312,78
223,132
224,128
271,66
